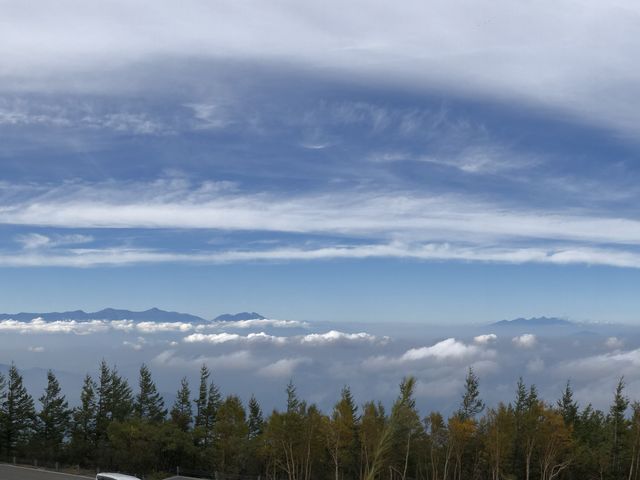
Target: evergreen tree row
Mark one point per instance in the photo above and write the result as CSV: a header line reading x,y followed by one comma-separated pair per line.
x,y
118,428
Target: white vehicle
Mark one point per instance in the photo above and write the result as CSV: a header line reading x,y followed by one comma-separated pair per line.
x,y
115,476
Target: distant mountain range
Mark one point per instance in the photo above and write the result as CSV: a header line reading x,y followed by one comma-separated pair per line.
x,y
151,315
534,322
230,317
157,315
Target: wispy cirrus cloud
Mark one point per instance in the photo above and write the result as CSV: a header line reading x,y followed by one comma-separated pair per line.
x,y
33,241
238,360
566,255
378,225
490,49
88,116
179,204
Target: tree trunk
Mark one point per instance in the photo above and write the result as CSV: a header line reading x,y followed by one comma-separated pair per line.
x,y
406,457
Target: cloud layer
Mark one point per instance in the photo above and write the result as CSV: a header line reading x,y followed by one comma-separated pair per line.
x,y
262,359
546,53
38,325
370,225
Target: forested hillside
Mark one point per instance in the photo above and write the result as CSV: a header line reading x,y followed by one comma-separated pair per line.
x,y
131,429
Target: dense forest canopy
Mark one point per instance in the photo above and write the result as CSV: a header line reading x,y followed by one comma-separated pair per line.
x,y
130,429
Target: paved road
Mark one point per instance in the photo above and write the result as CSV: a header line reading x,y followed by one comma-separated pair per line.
x,y
180,478
9,472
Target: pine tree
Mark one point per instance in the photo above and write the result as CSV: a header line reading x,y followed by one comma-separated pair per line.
x,y
149,404
54,419
214,400
567,406
201,401
405,426
342,436
519,410
255,429
618,427
532,397
18,413
293,403
207,404
181,411
3,396
232,434
372,433
105,394
121,401
115,400
256,420
521,396
471,404
84,421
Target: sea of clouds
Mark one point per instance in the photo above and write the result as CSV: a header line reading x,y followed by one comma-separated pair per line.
x,y
261,356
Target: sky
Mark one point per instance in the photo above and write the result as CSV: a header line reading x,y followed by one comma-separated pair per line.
x,y
434,162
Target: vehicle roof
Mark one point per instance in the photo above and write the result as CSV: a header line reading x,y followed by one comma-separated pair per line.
x,y
116,476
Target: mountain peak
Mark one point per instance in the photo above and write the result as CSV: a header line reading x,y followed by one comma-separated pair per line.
x,y
151,315
534,322
235,317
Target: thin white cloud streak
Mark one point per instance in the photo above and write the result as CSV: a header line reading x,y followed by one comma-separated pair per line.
x,y
259,322
332,337
20,113
240,360
137,346
610,365
37,240
283,368
549,53
224,337
388,225
446,349
160,327
568,255
178,204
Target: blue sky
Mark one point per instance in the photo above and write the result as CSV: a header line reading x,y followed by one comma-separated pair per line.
x,y
433,163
